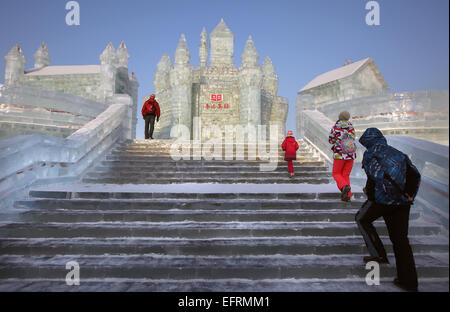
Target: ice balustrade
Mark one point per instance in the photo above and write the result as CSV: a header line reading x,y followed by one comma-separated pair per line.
x,y
36,98
39,159
431,159
391,108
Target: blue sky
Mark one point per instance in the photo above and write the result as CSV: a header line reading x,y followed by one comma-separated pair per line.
x,y
303,38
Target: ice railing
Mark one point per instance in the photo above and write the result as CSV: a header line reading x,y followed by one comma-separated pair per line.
x,y
38,159
392,108
430,158
36,98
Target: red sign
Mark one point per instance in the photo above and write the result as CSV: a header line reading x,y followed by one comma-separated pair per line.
x,y
216,97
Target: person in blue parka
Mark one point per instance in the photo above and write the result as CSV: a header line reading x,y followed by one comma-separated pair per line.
x,y
386,188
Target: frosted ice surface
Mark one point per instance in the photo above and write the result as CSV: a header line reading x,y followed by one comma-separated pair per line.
x,y
199,188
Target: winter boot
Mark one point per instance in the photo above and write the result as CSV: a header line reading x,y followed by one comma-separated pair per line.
x,y
344,193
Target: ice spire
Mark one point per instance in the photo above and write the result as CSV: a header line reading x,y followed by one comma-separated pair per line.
x,y
222,30
250,56
203,48
267,66
108,73
222,46
15,64
122,55
161,79
109,55
182,55
41,57
164,63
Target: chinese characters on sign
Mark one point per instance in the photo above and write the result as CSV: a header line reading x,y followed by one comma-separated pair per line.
x,y
214,105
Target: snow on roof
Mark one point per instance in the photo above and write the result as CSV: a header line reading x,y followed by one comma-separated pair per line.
x,y
335,74
65,70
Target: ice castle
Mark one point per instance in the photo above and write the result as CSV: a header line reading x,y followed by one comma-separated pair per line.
x,y
219,94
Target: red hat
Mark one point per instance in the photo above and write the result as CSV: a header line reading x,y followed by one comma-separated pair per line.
x,y
290,133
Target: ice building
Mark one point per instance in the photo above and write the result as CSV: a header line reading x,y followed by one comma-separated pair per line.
x,y
360,88
59,100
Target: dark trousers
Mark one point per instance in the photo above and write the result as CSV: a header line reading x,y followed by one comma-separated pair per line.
x,y
397,222
149,121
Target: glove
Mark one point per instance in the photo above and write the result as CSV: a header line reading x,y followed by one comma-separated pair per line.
x,y
157,119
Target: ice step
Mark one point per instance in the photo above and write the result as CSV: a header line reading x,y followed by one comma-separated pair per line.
x,y
197,229
218,285
165,152
202,215
182,204
143,167
308,161
212,246
164,145
199,173
97,192
178,180
157,266
168,160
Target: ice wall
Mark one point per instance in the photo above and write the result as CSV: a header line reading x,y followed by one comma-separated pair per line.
x,y
27,110
420,114
28,160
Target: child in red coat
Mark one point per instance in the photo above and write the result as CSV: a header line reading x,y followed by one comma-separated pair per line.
x,y
290,146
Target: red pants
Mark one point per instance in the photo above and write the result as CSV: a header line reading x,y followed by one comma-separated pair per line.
x,y
341,172
290,166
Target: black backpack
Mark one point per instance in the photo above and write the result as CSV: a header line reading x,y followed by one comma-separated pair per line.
x,y
412,181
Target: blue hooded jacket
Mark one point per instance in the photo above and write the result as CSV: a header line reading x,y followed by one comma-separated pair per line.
x,y
380,159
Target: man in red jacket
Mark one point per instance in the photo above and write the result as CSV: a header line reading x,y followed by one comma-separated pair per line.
x,y
150,111
290,146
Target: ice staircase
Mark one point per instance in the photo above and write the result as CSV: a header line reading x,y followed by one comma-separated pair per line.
x,y
140,221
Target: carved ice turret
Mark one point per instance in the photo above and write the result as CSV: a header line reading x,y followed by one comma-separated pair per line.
x,y
182,54
41,57
270,79
108,55
250,56
161,80
250,80
108,72
122,55
122,78
269,89
203,48
15,66
181,77
222,46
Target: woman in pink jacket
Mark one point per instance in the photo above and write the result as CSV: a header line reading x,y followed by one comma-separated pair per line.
x,y
290,146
